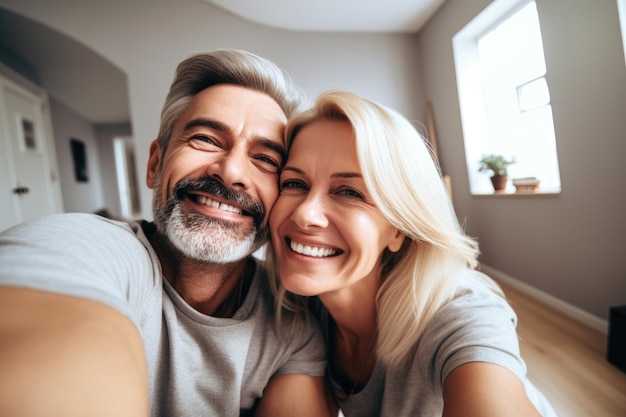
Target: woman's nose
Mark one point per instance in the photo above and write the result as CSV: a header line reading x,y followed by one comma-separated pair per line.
x,y
311,212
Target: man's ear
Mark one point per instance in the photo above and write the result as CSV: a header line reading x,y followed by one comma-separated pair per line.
x,y
154,164
396,242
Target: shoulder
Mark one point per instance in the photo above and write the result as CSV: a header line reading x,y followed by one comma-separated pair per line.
x,y
84,256
67,224
74,253
292,342
297,327
477,300
477,324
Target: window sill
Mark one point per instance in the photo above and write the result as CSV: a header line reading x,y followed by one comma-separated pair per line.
x,y
511,192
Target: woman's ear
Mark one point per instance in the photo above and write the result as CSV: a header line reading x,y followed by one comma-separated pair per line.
x,y
154,162
396,242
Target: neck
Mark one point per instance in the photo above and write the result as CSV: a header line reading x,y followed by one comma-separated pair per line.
x,y
352,337
353,332
213,289
353,309
352,357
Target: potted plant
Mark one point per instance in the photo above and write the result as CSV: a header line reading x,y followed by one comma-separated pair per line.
x,y
497,164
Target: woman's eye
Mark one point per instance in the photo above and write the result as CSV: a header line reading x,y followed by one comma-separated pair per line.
x,y
351,193
291,184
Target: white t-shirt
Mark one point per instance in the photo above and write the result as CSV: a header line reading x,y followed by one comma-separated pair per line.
x,y
197,364
475,326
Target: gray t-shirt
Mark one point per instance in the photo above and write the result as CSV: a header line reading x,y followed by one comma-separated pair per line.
x,y
476,326
197,364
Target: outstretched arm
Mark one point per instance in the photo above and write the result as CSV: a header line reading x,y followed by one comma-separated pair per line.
x,y
485,390
296,395
66,356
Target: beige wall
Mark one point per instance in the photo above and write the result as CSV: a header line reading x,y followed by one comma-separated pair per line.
x,y
82,197
572,246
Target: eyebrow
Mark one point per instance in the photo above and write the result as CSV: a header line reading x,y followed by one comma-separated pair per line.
x,y
335,175
274,146
220,127
212,124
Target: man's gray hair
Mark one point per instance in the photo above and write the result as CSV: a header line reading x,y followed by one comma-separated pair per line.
x,y
226,66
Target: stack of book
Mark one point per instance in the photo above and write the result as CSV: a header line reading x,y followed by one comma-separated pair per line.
x,y
526,184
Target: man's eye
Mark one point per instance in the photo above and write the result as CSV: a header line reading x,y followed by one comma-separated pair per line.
x,y
204,140
269,160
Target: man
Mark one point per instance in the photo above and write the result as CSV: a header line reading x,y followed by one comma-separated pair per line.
x,y
98,316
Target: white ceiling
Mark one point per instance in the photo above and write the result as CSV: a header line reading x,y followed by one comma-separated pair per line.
x,y
52,53
399,16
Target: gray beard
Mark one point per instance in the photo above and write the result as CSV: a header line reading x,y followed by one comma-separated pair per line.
x,y
202,238
209,240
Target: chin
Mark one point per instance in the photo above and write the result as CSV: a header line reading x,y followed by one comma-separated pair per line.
x,y
301,287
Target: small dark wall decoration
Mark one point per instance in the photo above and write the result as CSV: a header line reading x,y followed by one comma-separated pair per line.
x,y
80,160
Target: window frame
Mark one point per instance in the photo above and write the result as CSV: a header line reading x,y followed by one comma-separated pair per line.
x,y
469,85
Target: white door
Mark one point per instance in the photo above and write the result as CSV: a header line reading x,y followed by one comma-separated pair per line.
x,y
31,189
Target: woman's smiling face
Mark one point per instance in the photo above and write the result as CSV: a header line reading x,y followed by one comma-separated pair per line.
x,y
327,232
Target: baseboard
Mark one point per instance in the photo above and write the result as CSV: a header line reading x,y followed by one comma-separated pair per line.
x,y
561,306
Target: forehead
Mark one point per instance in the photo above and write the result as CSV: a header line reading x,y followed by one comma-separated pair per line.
x,y
243,110
327,139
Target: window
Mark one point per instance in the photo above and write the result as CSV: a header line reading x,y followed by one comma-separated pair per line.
x,y
504,95
621,11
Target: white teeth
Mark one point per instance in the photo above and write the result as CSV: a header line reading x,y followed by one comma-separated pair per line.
x,y
311,251
222,206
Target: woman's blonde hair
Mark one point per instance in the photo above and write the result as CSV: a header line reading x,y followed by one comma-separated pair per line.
x,y
405,183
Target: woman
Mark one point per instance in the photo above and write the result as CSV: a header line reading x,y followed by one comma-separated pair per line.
x,y
364,224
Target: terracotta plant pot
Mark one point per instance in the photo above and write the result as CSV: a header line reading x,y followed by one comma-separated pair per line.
x,y
499,182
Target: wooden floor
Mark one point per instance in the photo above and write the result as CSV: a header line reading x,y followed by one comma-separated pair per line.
x,y
567,361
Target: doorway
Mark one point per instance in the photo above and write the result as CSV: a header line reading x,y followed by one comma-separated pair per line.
x,y
29,185
124,152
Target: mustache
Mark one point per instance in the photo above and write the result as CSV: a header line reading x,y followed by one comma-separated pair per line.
x,y
211,186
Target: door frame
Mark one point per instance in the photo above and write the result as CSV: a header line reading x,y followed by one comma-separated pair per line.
x,y
15,81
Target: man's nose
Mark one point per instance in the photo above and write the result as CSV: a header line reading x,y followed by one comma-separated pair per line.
x,y
233,169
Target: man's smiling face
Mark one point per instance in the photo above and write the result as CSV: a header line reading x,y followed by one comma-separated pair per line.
x,y
218,179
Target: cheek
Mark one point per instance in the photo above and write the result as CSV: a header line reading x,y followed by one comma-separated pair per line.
x,y
168,177
184,163
278,214
373,230
175,167
267,194
365,224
